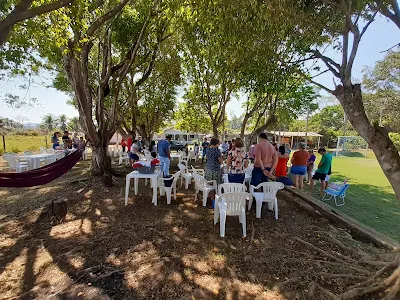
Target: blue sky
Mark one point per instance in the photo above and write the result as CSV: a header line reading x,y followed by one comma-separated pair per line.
x,y
380,36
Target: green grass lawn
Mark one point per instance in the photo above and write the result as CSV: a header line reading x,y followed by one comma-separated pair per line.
x,y
370,198
20,143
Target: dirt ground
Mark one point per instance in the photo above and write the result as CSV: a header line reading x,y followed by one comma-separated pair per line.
x,y
105,249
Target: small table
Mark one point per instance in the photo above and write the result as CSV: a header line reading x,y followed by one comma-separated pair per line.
x,y
136,175
34,159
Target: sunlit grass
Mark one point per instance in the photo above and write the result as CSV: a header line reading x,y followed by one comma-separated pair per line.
x,y
370,198
20,143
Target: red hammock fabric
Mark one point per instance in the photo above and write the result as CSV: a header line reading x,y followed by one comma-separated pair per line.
x,y
42,175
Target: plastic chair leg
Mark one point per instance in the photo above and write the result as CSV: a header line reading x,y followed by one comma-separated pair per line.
x,y
276,208
250,202
127,184
222,215
205,195
195,195
258,209
244,223
136,185
174,188
187,181
168,192
216,213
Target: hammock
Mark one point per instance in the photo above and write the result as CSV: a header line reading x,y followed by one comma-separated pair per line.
x,y
42,175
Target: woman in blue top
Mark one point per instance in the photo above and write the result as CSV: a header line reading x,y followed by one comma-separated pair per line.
x,y
214,161
55,141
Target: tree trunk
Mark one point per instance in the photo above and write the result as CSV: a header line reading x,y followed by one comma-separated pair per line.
x,y
215,130
377,137
101,162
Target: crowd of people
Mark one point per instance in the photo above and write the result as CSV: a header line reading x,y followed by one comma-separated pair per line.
x,y
269,159
67,143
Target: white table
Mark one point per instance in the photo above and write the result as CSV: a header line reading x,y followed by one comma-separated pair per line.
x,y
34,159
136,175
247,178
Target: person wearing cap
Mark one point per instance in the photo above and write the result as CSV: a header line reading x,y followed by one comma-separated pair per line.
x,y
164,154
299,165
265,162
324,168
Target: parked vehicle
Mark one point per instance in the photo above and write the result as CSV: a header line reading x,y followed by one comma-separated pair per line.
x,y
176,146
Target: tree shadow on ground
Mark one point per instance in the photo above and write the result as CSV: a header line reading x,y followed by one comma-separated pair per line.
x,y
105,249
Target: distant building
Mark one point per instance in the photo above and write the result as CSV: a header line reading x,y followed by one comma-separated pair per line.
x,y
180,136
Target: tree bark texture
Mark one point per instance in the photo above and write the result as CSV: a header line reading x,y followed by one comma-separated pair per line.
x,y
377,137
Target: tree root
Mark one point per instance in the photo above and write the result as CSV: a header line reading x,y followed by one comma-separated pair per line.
x,y
372,286
350,276
323,251
327,293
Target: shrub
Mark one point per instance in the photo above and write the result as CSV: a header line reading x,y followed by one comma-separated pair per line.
x,y
15,149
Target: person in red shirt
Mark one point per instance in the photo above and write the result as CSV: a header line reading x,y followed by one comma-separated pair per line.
x,y
129,143
123,144
299,165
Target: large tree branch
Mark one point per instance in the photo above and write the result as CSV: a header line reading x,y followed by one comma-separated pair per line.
x,y
104,18
21,13
384,10
330,63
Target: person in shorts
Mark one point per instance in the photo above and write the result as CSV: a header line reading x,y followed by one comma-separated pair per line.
x,y
134,152
310,164
299,165
323,169
265,162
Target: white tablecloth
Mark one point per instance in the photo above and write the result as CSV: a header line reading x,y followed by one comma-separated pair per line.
x,y
34,159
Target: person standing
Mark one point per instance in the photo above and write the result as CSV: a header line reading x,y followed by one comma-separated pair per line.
x,y
75,140
140,144
204,145
134,152
123,144
299,165
214,160
281,167
265,162
237,162
324,167
310,163
164,154
129,143
252,152
153,146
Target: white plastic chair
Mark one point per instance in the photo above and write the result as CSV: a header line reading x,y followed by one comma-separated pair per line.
x,y
268,194
123,157
204,186
192,155
16,164
184,160
168,190
198,171
185,175
231,204
43,150
231,188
